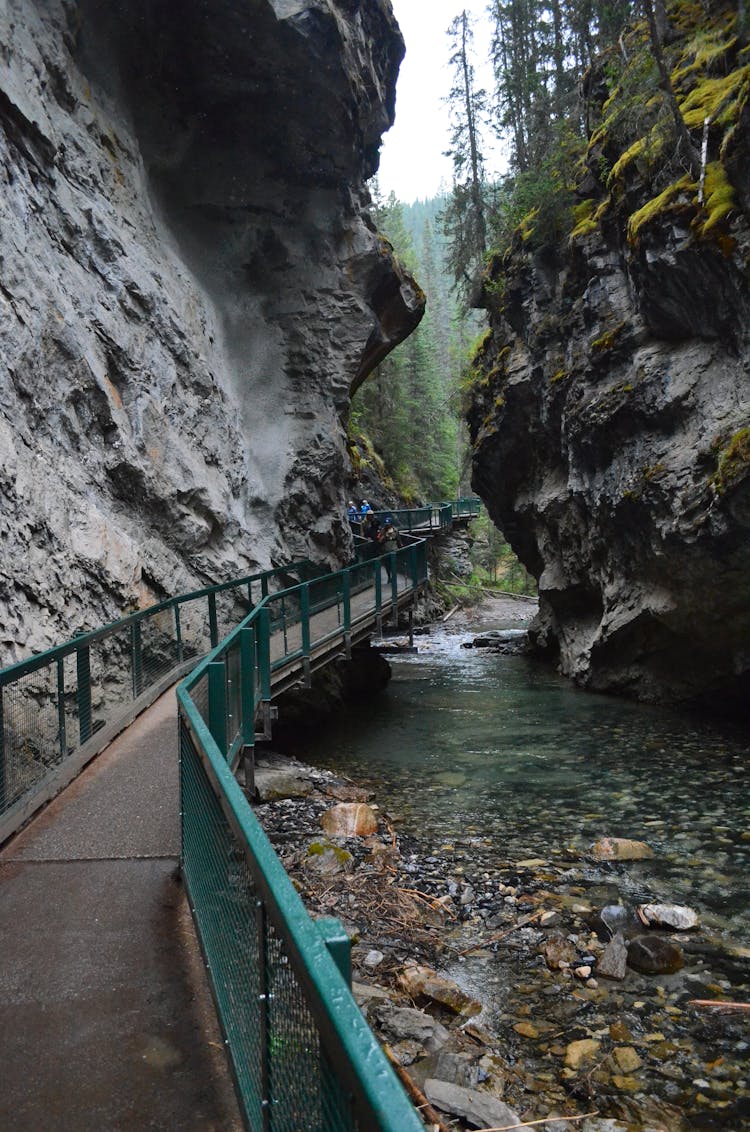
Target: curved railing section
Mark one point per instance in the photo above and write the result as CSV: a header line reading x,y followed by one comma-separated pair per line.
x,y
298,1043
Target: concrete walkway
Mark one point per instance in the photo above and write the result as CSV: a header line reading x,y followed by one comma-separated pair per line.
x,y
106,1020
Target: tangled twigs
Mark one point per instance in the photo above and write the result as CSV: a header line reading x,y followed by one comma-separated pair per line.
x,y
501,935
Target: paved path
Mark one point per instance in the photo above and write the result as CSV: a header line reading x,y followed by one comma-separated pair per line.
x,y
106,1021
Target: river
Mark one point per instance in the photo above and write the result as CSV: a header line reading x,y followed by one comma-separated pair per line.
x,y
506,774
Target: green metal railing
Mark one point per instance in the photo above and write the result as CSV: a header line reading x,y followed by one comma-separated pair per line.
x,y
432,517
59,707
303,1057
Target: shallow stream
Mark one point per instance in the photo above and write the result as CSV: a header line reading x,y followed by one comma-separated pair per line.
x,y
506,775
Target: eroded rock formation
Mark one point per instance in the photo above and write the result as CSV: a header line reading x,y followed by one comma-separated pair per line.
x,y
189,287
611,417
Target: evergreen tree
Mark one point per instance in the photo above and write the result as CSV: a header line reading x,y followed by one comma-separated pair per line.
x,y
464,218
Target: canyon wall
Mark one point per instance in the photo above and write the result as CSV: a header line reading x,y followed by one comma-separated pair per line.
x,y
190,287
610,413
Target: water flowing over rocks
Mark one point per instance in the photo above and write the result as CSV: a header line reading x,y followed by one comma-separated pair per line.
x,y
190,288
435,928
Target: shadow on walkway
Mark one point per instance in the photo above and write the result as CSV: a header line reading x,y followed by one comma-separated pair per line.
x,y
106,1020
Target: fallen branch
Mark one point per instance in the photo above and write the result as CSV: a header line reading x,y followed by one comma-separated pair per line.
x,y
501,935
535,1123
717,1004
451,612
415,1093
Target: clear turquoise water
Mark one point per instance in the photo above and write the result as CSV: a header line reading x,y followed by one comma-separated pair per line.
x,y
500,761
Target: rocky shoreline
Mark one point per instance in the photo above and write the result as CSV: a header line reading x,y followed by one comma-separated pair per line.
x,y
568,1046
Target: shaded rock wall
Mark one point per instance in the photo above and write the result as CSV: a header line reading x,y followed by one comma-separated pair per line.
x,y
611,432
189,287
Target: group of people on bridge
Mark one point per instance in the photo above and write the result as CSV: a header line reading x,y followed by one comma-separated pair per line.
x,y
385,536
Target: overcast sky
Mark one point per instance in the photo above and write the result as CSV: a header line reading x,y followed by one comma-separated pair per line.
x,y
412,162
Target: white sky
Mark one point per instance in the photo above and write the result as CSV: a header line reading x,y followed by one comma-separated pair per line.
x,y
412,162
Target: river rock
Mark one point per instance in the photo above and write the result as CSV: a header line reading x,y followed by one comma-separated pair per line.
x,y
581,1052
620,849
450,1065
349,819
627,1059
612,962
559,953
403,1022
478,1109
274,783
652,955
423,982
674,916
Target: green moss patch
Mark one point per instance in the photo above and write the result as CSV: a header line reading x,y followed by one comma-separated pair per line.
x,y
734,461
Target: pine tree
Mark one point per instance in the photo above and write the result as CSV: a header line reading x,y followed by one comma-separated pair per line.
x,y
464,218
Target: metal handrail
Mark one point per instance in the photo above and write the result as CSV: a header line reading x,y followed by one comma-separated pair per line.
x,y
218,705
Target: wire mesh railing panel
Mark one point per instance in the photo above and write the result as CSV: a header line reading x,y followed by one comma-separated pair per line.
x,y
232,607
199,696
306,1096
195,628
30,734
157,637
111,680
226,911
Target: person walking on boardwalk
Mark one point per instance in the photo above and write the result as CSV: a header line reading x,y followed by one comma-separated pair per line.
x,y
390,542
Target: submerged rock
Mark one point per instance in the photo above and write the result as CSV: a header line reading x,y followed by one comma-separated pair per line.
x,y
652,955
581,1052
620,849
423,982
612,963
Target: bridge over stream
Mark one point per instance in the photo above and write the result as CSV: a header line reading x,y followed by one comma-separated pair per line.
x,y
143,871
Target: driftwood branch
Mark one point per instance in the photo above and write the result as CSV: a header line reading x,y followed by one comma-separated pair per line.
x,y
717,1004
415,1093
537,1123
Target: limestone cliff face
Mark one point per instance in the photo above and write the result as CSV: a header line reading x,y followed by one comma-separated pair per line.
x,y
611,427
189,288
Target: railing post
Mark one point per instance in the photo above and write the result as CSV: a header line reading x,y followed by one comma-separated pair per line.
x,y
347,600
136,658
83,692
394,582
178,633
61,732
339,945
413,563
264,653
217,704
213,625
304,612
2,751
247,709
